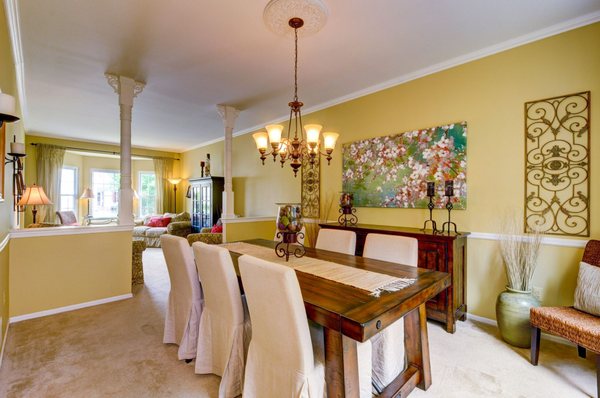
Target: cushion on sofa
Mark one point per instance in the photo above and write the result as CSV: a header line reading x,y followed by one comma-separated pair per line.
x,y
140,230
156,231
159,221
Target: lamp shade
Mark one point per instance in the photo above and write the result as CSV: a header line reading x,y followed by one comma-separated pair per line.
x,y
34,195
7,108
87,194
174,181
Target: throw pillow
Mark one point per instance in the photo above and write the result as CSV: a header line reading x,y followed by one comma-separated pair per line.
x,y
587,292
217,229
164,221
154,221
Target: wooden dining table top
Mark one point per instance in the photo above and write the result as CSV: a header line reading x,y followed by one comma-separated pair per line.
x,y
352,311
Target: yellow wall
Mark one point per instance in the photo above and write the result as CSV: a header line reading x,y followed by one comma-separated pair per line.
x,y
9,86
86,163
249,230
49,272
489,94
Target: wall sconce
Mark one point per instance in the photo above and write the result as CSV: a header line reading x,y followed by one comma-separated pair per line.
x,y
17,149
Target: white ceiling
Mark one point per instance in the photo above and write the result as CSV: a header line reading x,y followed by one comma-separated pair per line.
x,y
196,54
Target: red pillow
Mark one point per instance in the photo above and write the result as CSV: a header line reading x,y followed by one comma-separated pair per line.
x,y
159,221
217,229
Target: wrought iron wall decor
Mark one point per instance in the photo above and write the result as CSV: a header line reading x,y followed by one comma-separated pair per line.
x,y
311,183
557,156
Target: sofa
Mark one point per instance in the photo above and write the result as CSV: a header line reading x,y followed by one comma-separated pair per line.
x,y
206,236
152,227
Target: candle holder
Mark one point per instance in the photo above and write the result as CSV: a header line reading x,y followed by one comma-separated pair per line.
x,y
348,213
289,227
14,157
449,193
430,206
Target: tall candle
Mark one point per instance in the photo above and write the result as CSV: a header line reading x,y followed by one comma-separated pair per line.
x,y
431,189
17,147
449,188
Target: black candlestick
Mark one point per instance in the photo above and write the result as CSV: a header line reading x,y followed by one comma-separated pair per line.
x,y
430,206
449,223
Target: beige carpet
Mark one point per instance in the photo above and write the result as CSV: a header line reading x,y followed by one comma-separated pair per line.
x,y
116,350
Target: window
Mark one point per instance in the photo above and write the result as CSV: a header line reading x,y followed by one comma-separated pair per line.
x,y
147,187
105,185
68,189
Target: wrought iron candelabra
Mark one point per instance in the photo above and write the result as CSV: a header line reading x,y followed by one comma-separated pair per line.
x,y
289,244
348,213
449,193
430,206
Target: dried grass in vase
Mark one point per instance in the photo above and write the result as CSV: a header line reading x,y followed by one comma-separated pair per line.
x,y
519,253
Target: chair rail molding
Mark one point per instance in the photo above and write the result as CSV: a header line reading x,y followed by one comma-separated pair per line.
x,y
68,230
548,241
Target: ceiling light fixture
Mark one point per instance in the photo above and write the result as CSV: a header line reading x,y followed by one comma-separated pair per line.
x,y
295,147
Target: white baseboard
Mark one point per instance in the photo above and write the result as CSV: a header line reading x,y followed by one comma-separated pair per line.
x,y
4,344
68,308
545,336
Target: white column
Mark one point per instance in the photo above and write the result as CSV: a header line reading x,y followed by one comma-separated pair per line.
x,y
228,114
127,89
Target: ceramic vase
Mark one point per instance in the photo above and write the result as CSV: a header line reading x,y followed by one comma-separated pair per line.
x,y
512,314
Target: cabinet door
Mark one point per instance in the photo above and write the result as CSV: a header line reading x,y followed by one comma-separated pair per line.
x,y
432,255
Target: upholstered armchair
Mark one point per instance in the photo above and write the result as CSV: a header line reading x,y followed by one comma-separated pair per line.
x,y
577,326
67,217
205,236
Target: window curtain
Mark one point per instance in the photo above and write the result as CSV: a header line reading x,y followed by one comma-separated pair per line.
x,y
49,169
163,168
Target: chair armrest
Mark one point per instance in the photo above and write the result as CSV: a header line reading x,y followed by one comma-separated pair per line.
x,y
211,239
180,228
207,230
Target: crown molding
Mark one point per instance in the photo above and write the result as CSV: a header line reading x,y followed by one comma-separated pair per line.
x,y
553,30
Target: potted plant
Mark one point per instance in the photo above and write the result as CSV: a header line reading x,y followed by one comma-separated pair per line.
x,y
519,255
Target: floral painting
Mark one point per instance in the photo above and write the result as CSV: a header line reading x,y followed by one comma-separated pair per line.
x,y
393,171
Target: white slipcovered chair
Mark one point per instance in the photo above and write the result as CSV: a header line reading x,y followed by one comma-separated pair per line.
x,y
184,306
224,325
388,345
336,240
285,357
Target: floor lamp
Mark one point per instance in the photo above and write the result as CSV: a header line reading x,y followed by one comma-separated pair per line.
x,y
175,181
34,195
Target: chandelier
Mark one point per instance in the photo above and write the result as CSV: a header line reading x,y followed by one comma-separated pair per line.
x,y
295,146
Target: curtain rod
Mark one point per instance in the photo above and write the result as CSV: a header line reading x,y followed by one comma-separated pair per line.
x,y
108,152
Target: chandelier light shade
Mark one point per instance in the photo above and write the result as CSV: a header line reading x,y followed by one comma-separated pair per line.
x,y
301,141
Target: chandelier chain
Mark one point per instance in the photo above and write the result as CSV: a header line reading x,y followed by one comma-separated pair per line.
x,y
295,64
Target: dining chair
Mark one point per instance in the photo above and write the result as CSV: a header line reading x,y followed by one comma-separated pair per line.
x,y
336,240
579,327
286,353
388,353
224,325
184,305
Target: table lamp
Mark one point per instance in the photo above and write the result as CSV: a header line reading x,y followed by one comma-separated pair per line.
x,y
89,195
175,181
34,195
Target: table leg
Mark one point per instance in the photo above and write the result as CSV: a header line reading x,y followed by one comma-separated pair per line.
x,y
341,365
417,344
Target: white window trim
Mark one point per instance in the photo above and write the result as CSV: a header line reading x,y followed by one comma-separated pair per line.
x,y
139,188
118,171
75,192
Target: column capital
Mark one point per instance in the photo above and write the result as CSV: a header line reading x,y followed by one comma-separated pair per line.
x,y
228,114
126,87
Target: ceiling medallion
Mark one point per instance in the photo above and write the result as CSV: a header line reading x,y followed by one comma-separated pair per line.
x,y
278,13
294,147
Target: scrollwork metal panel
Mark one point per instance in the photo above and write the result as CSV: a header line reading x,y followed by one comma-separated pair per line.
x,y
557,138
311,183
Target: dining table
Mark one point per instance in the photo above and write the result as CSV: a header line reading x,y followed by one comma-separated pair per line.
x,y
344,310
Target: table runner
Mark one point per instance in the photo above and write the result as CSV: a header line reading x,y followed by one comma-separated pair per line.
x,y
372,282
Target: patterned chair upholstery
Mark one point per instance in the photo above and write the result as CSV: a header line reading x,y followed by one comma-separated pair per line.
x,y
137,266
67,217
205,236
576,326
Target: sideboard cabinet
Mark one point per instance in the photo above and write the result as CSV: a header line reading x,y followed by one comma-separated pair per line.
x,y
207,201
439,252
